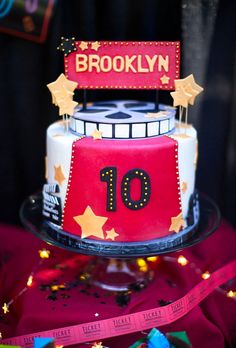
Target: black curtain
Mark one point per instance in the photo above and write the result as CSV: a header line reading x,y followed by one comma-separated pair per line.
x,y
207,32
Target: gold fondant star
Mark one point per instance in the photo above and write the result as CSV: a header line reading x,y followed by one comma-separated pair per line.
x,y
191,91
180,97
59,85
112,234
176,223
83,45
61,82
58,174
5,308
157,114
184,186
96,134
190,86
91,224
95,45
67,106
164,79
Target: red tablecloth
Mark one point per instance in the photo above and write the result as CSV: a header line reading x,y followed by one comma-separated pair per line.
x,y
211,324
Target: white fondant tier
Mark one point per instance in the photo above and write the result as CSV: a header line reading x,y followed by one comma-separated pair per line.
x,y
59,151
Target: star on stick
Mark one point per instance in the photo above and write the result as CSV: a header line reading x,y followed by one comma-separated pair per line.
x,y
59,176
83,45
190,86
95,45
67,106
111,234
5,308
164,80
61,83
176,223
181,97
97,135
91,224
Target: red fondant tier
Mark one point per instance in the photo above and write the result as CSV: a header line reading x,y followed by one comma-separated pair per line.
x,y
124,191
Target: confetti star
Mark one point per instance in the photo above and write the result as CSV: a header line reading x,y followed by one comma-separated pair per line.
x,y
59,176
184,186
96,314
44,253
112,234
67,46
181,97
0,335
164,80
176,223
97,135
157,114
97,345
5,308
95,45
91,224
83,45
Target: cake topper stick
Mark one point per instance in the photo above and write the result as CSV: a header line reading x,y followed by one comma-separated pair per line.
x,y
185,93
84,100
157,101
62,91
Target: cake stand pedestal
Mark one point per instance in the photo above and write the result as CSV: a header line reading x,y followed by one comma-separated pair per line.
x,y
119,266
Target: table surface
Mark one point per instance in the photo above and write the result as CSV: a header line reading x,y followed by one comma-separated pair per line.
x,y
210,324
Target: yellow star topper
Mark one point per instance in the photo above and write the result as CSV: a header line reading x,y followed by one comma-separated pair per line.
x,y
91,224
67,107
61,83
190,86
181,98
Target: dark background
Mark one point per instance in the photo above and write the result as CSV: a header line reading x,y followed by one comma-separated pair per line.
x,y
207,31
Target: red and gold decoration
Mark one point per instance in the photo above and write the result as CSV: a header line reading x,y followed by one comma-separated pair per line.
x,y
186,90
139,197
208,283
62,91
121,64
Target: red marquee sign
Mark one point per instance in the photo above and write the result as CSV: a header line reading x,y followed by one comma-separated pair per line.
x,y
124,65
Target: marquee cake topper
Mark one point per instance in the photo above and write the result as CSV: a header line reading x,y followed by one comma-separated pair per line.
x,y
121,64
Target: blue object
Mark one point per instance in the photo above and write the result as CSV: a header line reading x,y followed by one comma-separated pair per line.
x,y
156,339
41,342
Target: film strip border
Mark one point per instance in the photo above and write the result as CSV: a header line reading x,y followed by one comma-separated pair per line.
x,y
124,130
132,322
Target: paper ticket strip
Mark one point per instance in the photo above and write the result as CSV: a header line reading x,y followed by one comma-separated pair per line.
x,y
139,321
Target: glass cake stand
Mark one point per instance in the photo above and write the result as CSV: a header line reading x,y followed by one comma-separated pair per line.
x,y
117,266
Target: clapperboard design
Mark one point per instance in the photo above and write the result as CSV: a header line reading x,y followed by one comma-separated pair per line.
x,y
52,203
